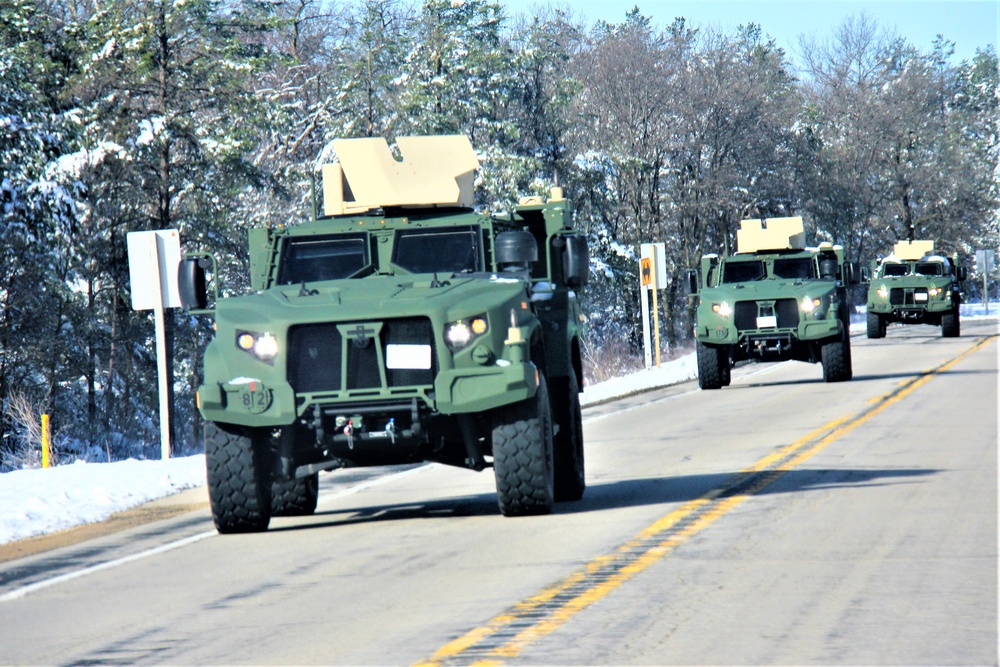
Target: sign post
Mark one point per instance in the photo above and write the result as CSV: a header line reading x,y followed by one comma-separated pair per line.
x,y
652,275
984,263
153,258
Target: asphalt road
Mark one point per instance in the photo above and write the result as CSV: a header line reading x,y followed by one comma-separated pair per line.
x,y
781,520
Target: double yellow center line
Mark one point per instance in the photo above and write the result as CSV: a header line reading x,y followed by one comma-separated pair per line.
x,y
507,635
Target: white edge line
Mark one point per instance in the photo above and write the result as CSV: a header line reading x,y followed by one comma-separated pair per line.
x,y
170,546
69,576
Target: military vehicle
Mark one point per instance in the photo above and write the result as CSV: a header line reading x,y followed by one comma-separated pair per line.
x,y
773,299
398,326
915,286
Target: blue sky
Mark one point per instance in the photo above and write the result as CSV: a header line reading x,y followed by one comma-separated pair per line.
x,y
968,23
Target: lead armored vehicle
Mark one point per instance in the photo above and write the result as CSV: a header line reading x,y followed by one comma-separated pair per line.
x,y
913,285
772,300
399,326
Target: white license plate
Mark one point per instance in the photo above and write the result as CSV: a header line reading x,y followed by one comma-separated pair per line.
x,y
408,356
767,322
920,296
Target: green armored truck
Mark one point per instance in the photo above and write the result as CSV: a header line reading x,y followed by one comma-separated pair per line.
x,y
399,326
914,285
774,299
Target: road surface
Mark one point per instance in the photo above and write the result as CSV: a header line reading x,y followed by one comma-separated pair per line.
x,y
781,520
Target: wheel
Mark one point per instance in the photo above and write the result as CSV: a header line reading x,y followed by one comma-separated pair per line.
x,y
950,325
522,455
876,325
836,358
239,485
567,444
713,366
726,367
295,497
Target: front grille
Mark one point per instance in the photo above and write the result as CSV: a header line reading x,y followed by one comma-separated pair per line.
x,y
316,353
904,296
786,311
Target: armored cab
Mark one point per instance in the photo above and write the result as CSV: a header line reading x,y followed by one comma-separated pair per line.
x,y
914,285
399,326
774,299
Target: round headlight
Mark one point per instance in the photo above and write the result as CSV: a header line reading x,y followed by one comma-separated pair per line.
x,y
458,334
809,304
883,292
266,347
722,309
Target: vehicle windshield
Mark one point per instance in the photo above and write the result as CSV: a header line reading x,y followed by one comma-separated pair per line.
x,y
895,270
448,250
312,259
743,272
930,269
793,268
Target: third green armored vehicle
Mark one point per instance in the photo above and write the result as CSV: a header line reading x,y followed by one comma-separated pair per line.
x,y
914,285
400,326
774,299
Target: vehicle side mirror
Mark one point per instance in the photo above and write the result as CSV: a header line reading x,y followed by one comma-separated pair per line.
x,y
852,273
961,272
192,281
828,268
691,276
866,275
576,261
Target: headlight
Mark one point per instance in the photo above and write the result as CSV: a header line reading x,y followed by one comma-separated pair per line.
x,y
263,346
934,291
809,304
722,309
460,334
883,292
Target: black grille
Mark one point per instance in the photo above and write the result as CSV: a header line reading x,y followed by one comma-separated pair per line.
x,y
904,296
786,311
316,350
314,357
746,315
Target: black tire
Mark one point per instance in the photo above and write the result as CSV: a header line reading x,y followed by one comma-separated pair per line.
x,y
951,325
726,367
239,485
567,444
713,366
876,325
522,456
295,497
836,358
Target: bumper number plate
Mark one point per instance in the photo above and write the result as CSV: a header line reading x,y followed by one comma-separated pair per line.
x,y
408,356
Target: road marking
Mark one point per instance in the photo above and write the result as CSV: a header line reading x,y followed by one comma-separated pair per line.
x,y
177,544
509,634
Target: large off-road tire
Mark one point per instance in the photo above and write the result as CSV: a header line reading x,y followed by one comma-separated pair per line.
x,y
876,325
713,366
239,483
836,359
950,325
295,497
522,455
567,443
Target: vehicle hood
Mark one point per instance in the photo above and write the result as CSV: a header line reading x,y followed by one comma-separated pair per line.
x,y
375,298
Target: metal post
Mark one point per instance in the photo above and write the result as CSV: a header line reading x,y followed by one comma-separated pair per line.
x,y
46,456
656,310
161,356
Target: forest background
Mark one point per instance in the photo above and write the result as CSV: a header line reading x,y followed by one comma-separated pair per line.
x,y
211,116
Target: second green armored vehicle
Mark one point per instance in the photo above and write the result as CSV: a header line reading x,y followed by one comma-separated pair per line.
x,y
774,299
400,326
914,285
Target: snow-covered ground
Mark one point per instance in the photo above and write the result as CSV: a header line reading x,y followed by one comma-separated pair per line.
x,y
37,501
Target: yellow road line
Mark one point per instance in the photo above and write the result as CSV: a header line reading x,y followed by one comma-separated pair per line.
x,y
508,634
